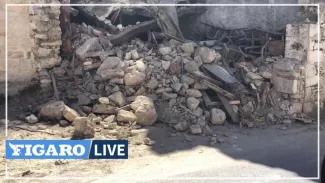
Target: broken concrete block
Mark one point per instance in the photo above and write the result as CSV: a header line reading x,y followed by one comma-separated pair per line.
x,y
165,65
187,79
144,110
111,73
134,78
90,45
110,119
176,86
167,96
165,50
103,100
192,103
284,85
191,67
152,83
109,63
187,47
217,117
82,129
70,114
125,116
118,99
193,93
135,55
196,129
31,119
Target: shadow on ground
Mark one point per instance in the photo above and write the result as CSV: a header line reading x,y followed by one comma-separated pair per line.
x,y
294,149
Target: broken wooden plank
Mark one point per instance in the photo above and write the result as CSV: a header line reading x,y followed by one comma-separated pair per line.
x,y
230,110
210,104
150,25
219,90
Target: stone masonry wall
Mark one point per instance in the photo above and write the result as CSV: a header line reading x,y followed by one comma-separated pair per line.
x,y
34,39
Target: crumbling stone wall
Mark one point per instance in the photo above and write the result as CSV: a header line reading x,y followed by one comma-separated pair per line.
x,y
296,76
34,39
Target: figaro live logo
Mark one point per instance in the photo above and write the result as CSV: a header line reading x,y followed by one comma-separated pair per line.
x,y
66,149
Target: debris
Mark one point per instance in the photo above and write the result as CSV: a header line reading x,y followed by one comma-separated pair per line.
x,y
90,45
230,110
70,114
181,126
125,116
82,130
195,129
187,47
103,109
118,99
32,119
193,93
213,140
207,55
64,123
165,50
134,78
149,142
144,110
218,117
192,103
52,110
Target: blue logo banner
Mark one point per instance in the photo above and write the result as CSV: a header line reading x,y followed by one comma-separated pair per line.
x,y
66,149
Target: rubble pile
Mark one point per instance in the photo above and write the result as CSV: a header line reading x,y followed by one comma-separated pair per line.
x,y
187,84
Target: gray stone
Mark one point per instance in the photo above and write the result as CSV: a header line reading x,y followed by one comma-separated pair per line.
x,y
119,81
165,65
103,100
84,100
125,116
248,108
162,90
144,110
198,112
134,78
109,63
266,75
31,119
193,93
185,86
176,86
181,126
191,67
207,55
200,86
140,91
64,123
127,56
167,96
196,129
188,80
52,110
90,45
152,83
103,109
110,119
118,99
218,117
192,103
165,50
115,89
111,73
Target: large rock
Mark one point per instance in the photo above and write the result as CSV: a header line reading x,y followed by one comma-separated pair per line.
x,y
193,93
218,117
192,103
103,109
90,45
126,116
109,63
187,47
118,99
82,130
111,73
70,114
134,78
144,110
207,55
52,110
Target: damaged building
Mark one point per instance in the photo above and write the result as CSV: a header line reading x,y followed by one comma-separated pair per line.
x,y
100,68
